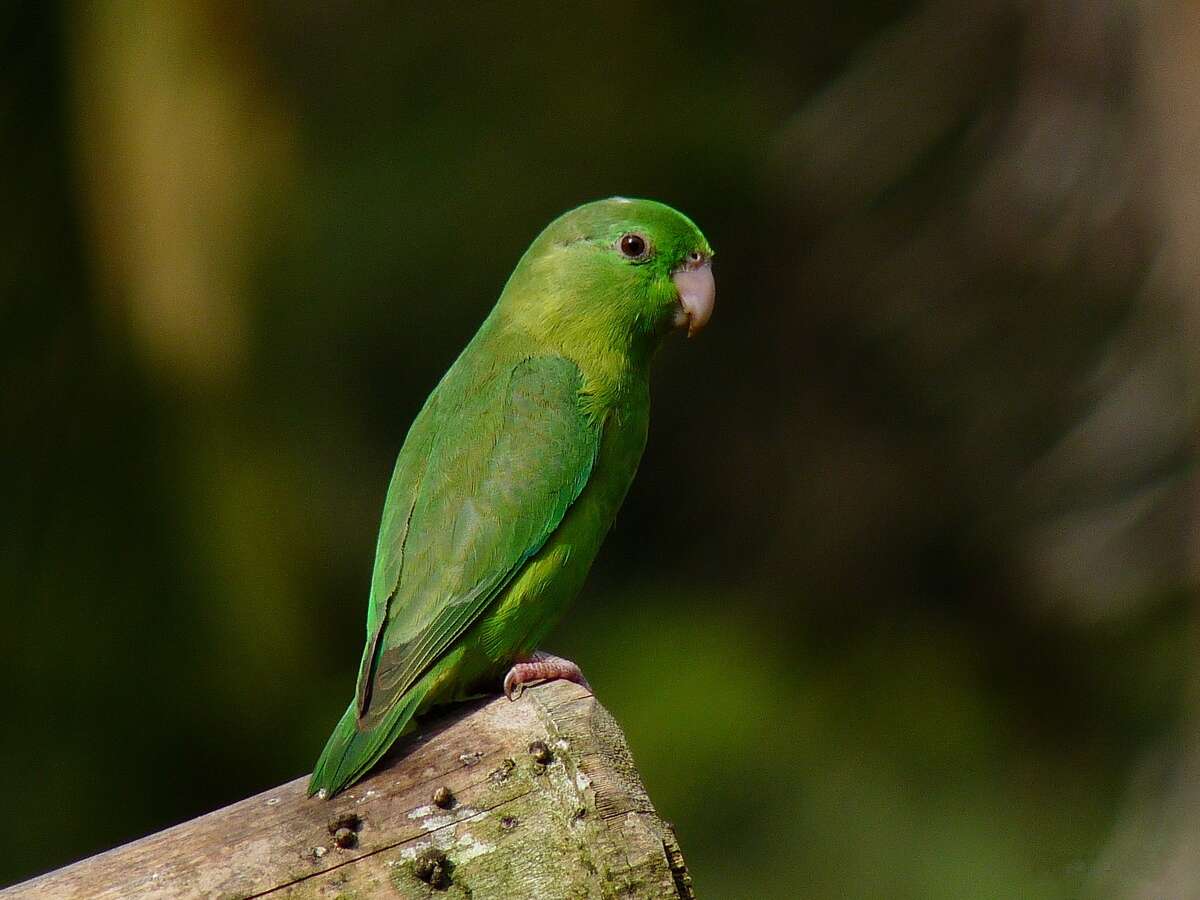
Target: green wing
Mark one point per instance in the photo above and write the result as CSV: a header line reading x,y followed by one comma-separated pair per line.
x,y
482,483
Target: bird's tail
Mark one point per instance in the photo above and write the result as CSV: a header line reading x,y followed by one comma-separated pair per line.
x,y
350,752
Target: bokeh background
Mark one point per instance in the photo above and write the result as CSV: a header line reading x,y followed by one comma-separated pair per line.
x,y
903,601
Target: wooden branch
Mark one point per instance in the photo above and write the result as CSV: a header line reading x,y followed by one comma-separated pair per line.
x,y
537,798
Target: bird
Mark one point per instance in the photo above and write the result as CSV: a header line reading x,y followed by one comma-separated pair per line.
x,y
513,471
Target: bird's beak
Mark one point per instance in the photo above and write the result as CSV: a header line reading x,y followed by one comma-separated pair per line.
x,y
697,294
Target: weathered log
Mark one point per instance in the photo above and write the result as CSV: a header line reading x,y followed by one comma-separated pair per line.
x,y
533,799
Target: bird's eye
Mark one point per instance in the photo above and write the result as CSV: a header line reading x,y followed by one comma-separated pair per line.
x,y
694,256
633,246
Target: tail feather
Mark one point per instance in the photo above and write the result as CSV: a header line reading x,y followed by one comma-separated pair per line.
x,y
350,753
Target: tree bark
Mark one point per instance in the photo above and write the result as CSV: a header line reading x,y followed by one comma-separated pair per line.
x,y
536,798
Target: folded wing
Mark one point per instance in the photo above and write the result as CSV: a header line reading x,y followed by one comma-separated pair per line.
x,y
476,493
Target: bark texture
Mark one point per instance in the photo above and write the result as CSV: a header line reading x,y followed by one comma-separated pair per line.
x,y
534,798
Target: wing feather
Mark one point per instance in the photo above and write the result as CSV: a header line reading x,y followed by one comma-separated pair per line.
x,y
492,476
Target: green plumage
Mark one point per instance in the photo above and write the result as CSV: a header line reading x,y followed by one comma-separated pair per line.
x,y
512,473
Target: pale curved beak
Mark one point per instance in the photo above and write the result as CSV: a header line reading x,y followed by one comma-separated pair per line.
x,y
697,295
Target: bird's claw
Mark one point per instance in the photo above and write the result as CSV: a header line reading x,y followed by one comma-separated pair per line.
x,y
513,689
541,666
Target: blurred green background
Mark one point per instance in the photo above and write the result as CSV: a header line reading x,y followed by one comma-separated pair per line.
x,y
902,603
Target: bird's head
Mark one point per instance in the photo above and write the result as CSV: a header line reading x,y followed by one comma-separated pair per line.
x,y
621,271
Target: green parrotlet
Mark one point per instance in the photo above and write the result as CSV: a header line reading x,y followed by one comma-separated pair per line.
x,y
513,471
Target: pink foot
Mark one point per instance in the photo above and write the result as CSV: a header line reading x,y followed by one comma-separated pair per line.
x,y
541,666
